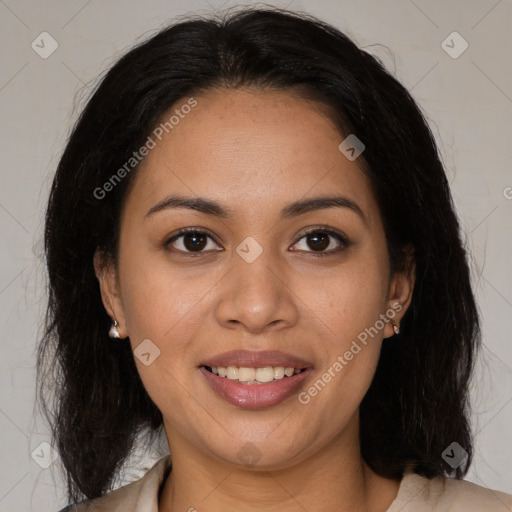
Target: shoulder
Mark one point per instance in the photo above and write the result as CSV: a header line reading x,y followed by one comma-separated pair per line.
x,y
141,495
442,494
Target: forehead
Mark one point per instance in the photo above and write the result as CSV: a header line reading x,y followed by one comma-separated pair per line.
x,y
252,149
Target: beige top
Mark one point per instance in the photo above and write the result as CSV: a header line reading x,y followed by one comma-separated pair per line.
x,y
415,494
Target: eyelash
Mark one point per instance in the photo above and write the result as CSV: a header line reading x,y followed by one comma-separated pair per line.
x,y
319,229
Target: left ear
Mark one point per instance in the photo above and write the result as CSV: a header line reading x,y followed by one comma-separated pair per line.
x,y
401,290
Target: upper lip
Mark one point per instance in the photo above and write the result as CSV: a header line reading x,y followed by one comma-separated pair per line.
x,y
256,359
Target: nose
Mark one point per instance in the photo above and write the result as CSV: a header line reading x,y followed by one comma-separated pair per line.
x,y
257,296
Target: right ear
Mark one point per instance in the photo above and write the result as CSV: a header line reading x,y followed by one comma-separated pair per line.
x,y
105,272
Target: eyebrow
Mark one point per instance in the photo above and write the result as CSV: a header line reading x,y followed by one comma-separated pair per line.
x,y
294,209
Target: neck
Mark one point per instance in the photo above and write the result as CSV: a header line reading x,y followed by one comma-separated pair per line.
x,y
334,478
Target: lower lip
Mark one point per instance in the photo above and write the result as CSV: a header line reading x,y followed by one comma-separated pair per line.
x,y
255,396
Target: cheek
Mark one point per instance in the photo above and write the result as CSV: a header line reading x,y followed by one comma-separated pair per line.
x,y
158,297
355,300
163,306
351,300
349,360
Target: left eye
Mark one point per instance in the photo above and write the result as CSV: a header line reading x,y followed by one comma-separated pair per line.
x,y
320,240
195,242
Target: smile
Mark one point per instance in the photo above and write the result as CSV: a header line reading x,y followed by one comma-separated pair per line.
x,y
252,393
253,375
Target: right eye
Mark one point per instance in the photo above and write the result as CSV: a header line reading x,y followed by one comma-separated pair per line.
x,y
193,241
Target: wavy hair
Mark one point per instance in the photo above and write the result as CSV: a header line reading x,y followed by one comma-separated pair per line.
x,y
91,392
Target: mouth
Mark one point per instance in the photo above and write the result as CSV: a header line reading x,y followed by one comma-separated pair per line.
x,y
255,387
254,376
253,379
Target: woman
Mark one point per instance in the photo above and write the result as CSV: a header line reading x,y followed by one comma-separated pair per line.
x,y
251,243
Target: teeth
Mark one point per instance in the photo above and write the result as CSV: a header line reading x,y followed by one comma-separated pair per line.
x,y
265,374
278,372
232,372
254,375
246,374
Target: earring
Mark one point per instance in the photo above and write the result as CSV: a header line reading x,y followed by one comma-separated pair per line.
x,y
113,332
395,328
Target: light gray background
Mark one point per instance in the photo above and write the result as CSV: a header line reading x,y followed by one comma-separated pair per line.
x,y
467,100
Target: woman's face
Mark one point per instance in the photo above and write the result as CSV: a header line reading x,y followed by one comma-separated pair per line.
x,y
255,281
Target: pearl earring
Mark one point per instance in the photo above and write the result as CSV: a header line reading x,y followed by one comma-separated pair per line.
x,y
395,328
114,333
